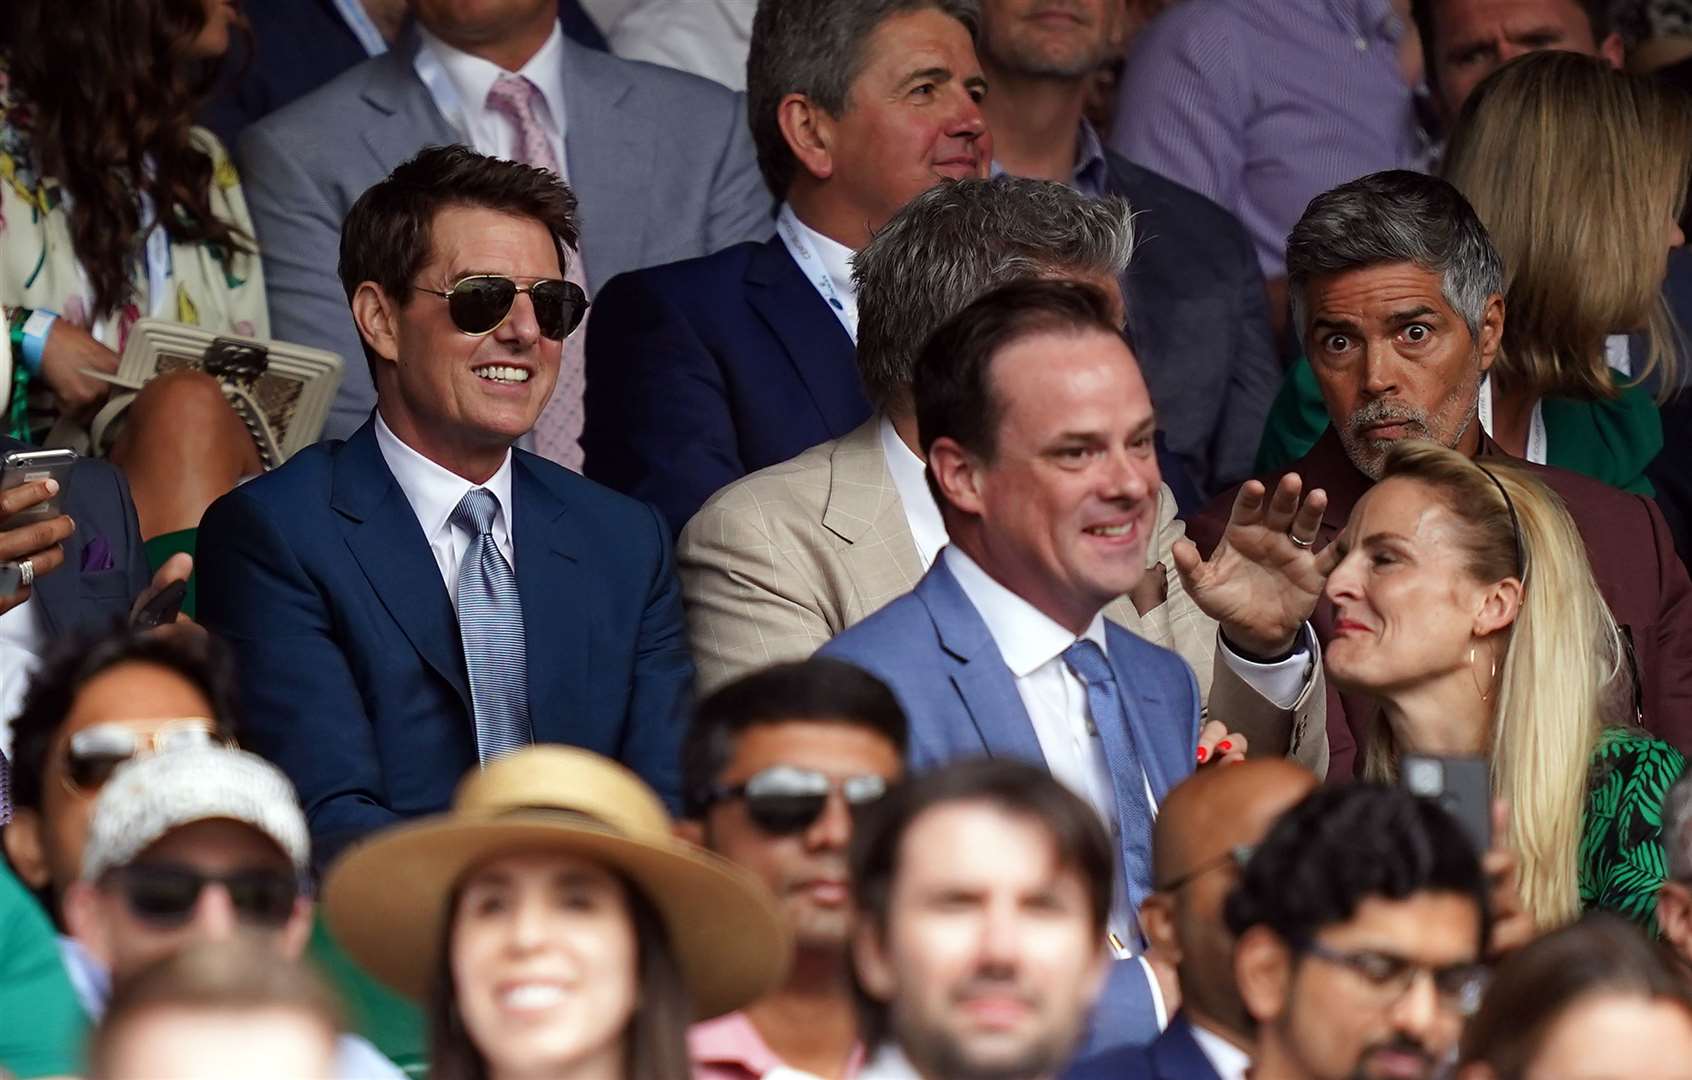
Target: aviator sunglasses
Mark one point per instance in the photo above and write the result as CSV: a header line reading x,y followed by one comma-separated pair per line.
x,y
164,894
785,799
94,753
481,303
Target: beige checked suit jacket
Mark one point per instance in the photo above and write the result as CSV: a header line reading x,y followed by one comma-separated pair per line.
x,y
778,562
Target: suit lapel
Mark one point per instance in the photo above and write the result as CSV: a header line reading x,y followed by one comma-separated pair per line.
x,y
1176,1054
979,673
1145,703
407,117
863,509
817,345
606,151
382,532
549,579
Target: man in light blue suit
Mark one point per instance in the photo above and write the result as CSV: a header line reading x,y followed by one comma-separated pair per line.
x,y
1038,433
660,160
421,598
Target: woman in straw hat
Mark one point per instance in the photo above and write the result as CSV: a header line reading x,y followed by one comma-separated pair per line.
x,y
555,926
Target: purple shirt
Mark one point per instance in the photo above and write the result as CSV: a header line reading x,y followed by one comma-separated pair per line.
x,y
1265,104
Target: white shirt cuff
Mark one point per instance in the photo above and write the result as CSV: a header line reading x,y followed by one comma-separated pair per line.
x,y
1158,1006
1280,683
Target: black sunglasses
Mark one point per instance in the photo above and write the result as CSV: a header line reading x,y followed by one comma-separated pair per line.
x,y
784,799
165,894
481,303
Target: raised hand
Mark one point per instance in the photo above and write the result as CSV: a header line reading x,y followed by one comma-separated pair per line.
x,y
1264,578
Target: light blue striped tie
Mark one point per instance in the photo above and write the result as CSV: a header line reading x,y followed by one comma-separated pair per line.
x,y
490,622
1127,775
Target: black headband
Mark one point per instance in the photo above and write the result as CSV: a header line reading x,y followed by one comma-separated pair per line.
x,y
1515,522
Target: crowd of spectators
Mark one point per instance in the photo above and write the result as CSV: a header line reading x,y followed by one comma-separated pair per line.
x,y
850,539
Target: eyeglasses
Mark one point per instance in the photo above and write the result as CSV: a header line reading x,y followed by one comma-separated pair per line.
x,y
784,799
481,303
164,894
94,753
1459,986
1236,856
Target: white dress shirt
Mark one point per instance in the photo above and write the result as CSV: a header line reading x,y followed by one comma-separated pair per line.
x,y
1229,1061
459,83
434,493
1281,683
23,638
835,259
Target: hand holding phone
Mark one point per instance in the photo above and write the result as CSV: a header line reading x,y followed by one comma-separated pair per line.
x,y
27,468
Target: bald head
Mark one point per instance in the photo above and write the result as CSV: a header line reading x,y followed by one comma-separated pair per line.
x,y
1199,825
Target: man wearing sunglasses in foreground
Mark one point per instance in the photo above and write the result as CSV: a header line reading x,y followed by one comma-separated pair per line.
x,y
421,598
776,769
194,845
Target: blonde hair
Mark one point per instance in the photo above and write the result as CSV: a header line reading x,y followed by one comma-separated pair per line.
x,y
1577,171
1561,674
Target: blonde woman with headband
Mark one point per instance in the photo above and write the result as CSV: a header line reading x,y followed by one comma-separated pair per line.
x,y
1579,173
1464,605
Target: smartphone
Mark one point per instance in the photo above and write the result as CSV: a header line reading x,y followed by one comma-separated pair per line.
x,y
1462,786
162,608
19,467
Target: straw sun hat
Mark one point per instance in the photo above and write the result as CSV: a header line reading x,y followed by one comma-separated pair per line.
x,y
386,899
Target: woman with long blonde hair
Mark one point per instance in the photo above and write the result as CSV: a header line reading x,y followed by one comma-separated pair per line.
x,y
1464,605
1579,173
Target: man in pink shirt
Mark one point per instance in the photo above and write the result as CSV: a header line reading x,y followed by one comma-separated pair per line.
x,y
773,770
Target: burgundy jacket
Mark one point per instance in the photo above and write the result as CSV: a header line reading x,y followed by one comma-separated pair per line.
x,y
1632,556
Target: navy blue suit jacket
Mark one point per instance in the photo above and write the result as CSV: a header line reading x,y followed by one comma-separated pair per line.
x,y
934,651
701,371
351,670
1174,1056
297,46
105,566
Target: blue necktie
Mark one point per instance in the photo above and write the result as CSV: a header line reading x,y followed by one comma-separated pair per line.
x,y
490,622
1127,776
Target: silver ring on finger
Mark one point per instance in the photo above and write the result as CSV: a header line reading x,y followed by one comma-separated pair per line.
x,y
26,573
1302,543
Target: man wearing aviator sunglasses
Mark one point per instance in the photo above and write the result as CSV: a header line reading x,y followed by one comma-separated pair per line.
x,y
187,846
777,767
1361,922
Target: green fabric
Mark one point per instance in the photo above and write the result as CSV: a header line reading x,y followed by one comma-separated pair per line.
x,y
161,547
1611,441
42,1028
392,1023
1621,861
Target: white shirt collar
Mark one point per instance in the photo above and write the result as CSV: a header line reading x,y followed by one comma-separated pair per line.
x,y
472,77
910,481
836,260
889,1063
1229,1061
1027,638
434,492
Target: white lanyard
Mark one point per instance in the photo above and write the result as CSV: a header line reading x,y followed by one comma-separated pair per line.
x,y
811,265
363,27
1536,426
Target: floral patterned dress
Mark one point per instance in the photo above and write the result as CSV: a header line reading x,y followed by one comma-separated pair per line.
x,y
1621,861
200,284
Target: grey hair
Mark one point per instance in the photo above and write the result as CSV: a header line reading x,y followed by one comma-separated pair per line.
x,y
1396,217
816,48
964,238
1677,830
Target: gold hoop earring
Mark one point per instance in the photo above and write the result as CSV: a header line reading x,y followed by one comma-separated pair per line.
x,y
1492,678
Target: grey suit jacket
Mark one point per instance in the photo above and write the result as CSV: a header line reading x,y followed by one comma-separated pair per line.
x,y
661,162
778,562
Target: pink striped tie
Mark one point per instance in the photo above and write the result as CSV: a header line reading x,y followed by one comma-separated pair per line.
x,y
559,427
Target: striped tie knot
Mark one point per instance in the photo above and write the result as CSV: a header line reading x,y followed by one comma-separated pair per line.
x,y
475,512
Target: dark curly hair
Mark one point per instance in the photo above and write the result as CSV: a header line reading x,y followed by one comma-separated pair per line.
x,y
108,94
1343,845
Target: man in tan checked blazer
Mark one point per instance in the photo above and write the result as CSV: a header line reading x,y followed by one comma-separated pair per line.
x,y
777,563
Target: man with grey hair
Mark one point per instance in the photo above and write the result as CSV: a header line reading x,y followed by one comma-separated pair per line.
x,y
1197,310
1397,294
702,371
1674,896
776,564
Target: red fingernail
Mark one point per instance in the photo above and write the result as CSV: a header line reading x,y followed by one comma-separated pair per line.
x,y
1224,746
1203,753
